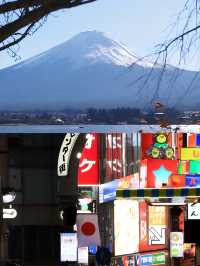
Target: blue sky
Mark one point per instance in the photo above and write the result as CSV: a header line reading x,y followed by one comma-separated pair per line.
x,y
140,24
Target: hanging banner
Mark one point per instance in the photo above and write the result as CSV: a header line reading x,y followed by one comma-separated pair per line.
x,y
88,170
65,153
176,244
88,230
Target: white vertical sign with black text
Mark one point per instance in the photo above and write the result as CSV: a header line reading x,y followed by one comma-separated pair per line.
x,y
65,153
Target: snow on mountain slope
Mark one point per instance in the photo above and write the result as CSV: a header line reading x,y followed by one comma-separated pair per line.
x,y
92,70
90,46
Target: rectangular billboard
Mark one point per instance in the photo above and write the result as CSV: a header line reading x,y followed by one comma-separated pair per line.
x,y
148,239
68,247
157,225
88,169
176,244
193,211
107,191
83,255
192,180
159,172
188,154
126,227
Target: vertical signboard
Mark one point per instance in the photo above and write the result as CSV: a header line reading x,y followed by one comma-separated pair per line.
x,y
114,156
65,153
88,170
68,247
176,244
83,255
145,240
126,226
157,225
193,211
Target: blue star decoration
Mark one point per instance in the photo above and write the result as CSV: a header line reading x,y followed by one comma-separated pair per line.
x,y
161,176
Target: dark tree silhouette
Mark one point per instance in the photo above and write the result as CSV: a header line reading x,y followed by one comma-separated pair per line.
x,y
20,18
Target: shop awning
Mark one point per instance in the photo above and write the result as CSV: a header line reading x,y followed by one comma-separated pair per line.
x,y
187,192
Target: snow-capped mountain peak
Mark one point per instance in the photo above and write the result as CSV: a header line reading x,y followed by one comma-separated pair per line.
x,y
90,46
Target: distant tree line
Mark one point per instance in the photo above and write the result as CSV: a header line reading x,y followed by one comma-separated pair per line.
x,y
115,115
132,115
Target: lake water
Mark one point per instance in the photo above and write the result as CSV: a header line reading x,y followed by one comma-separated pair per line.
x,y
94,128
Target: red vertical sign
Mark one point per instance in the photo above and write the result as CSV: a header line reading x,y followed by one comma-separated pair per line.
x,y
114,161
88,170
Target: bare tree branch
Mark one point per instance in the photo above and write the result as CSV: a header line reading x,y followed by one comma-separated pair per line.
x,y
22,15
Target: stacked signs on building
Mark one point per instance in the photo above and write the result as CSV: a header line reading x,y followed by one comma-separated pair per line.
x,y
88,170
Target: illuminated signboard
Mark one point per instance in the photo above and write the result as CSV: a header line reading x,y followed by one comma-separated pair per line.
x,y
158,172
107,191
193,211
190,154
153,259
126,216
83,255
157,225
68,247
192,180
176,244
114,156
9,213
88,170
194,167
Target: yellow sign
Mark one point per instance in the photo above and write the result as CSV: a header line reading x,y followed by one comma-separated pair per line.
x,y
190,154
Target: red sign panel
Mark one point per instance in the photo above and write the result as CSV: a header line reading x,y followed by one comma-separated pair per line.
x,y
159,173
88,170
148,141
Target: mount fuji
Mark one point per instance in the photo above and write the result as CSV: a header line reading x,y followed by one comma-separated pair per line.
x,y
92,70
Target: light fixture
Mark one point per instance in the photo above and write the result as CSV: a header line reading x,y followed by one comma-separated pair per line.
x,y
8,195
9,213
166,203
78,155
